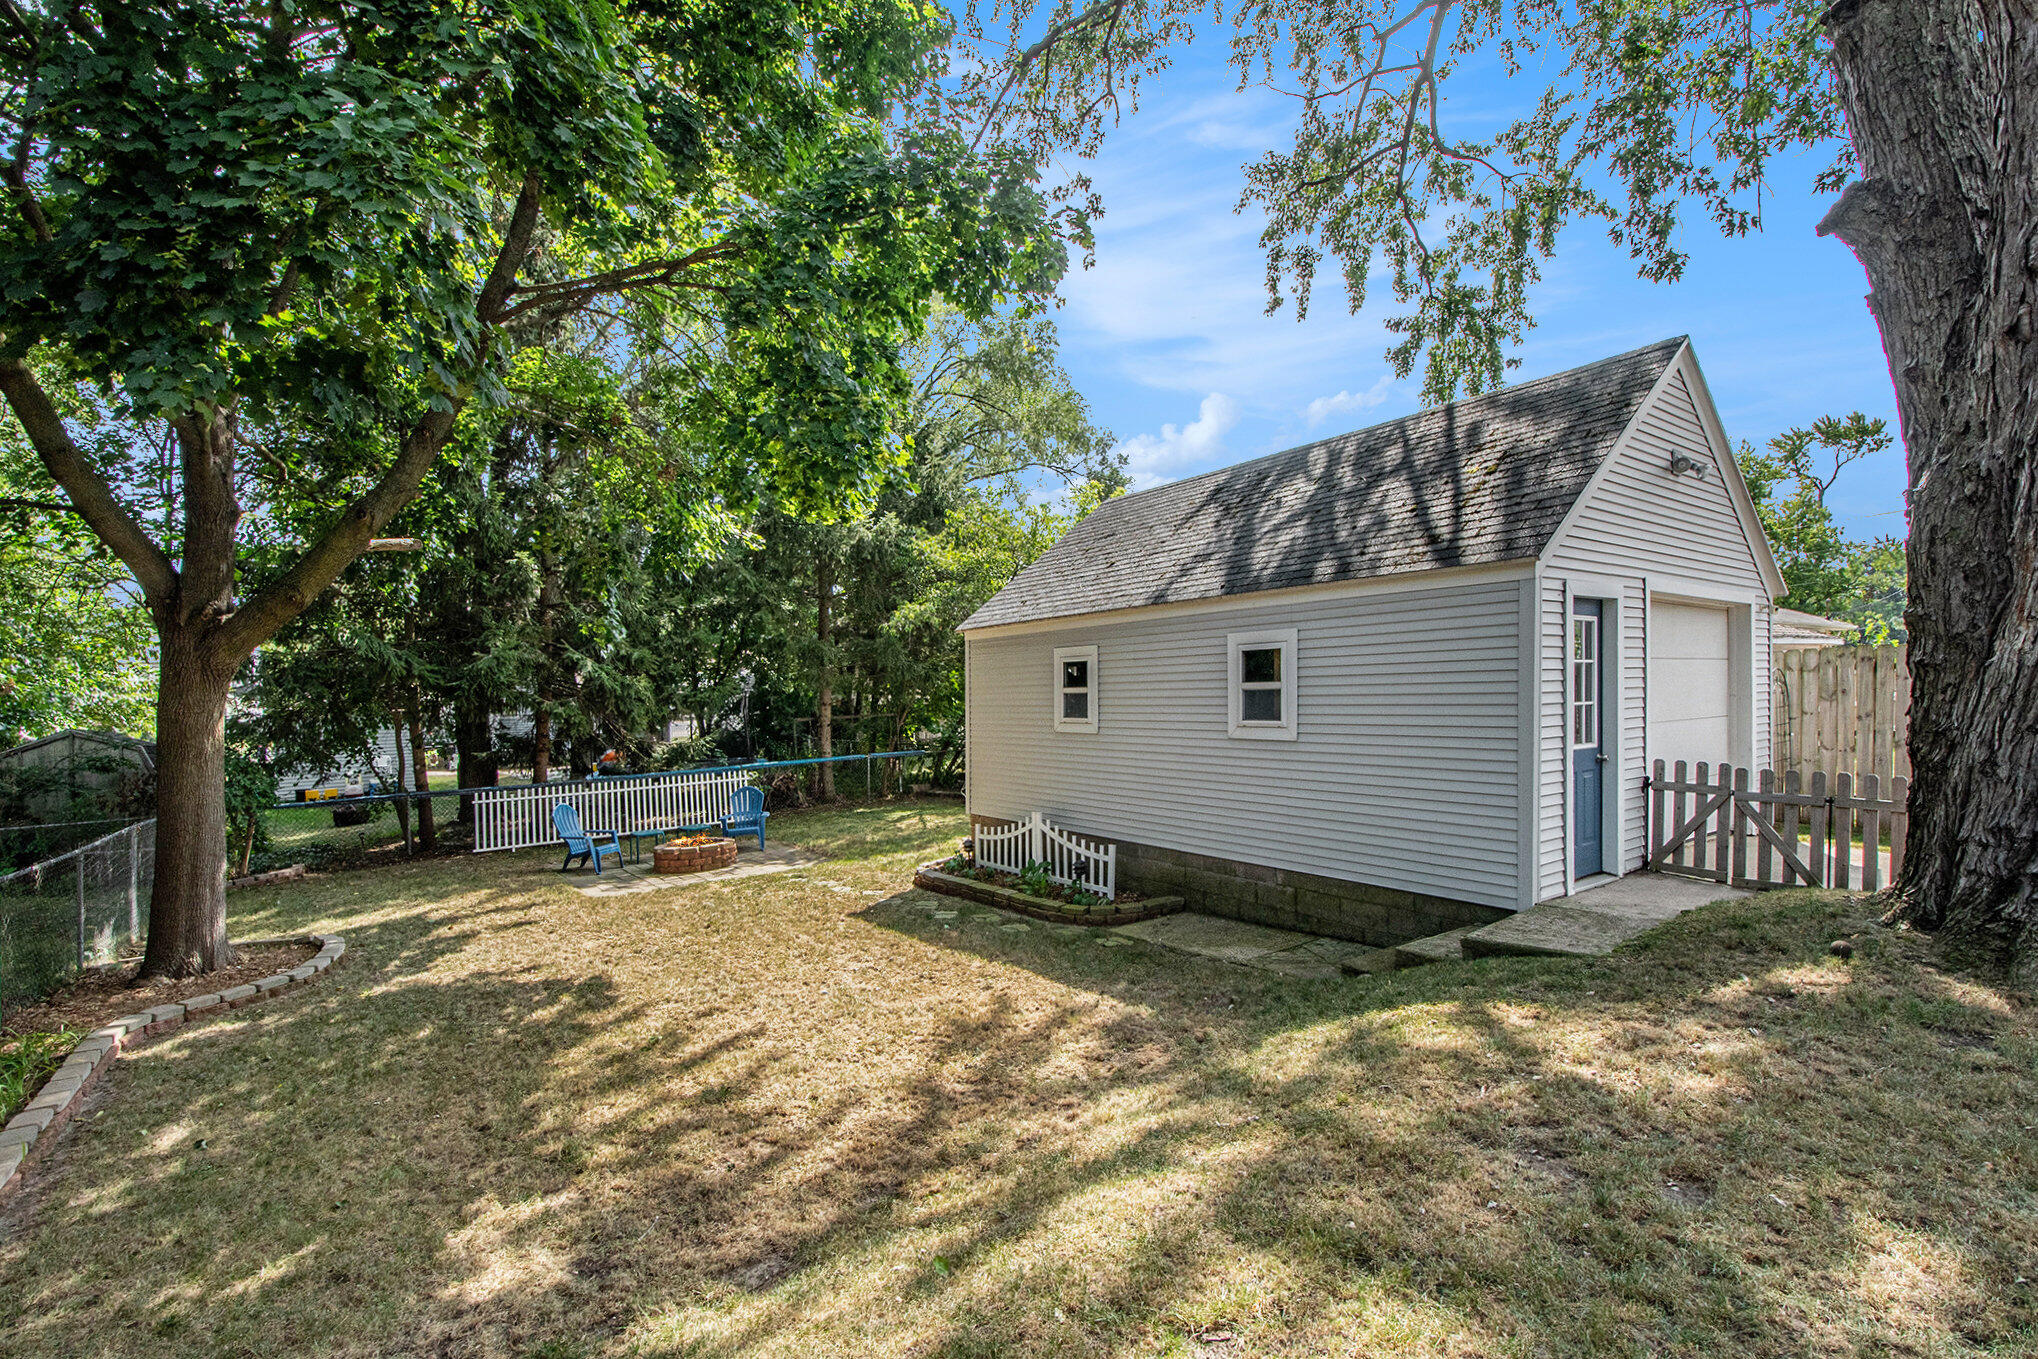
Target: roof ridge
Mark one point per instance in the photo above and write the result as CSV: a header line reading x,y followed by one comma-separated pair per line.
x,y
1511,389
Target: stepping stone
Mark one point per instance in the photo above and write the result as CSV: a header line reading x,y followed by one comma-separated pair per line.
x,y
944,915
1015,928
985,915
1437,948
1368,963
1110,941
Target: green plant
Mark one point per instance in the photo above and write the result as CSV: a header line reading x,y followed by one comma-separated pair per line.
x,y
25,1062
1033,880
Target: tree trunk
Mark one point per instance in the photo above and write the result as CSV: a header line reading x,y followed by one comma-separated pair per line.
x,y
187,905
474,753
402,804
824,701
541,743
428,836
1942,106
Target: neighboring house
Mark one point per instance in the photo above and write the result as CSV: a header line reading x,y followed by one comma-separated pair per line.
x,y
73,773
1401,679
1795,630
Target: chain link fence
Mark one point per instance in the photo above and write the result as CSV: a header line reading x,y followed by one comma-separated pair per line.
x,y
68,912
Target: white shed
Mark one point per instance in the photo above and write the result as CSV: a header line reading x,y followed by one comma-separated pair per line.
x,y
1398,680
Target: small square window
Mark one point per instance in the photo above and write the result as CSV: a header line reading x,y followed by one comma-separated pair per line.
x,y
1075,689
1261,670
1259,705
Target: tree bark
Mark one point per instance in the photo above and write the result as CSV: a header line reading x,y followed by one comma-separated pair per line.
x,y
824,700
428,836
187,904
541,743
474,756
1941,98
402,782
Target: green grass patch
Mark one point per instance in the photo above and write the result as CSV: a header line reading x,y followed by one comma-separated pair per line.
x,y
820,1113
25,1063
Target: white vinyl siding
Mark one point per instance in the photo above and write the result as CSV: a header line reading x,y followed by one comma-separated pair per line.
x,y
1640,519
1765,683
1405,771
1552,815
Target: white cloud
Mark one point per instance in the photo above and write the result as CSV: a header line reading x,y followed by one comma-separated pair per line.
x,y
1323,407
1153,459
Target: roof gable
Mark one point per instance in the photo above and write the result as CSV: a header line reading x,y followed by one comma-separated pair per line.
x,y
1485,480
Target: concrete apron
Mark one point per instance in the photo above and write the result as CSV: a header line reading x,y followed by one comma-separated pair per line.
x,y
1287,952
1587,924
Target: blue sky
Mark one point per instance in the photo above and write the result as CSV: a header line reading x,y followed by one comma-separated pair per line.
x,y
1167,338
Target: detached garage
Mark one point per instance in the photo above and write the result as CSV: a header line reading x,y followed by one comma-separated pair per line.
x,y
1397,680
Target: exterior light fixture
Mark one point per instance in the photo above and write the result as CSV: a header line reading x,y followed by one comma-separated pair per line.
x,y
1684,465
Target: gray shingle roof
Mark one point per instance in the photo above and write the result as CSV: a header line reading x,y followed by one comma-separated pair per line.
x,y
1483,480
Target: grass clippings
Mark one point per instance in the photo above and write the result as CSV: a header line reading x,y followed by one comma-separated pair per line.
x,y
816,1114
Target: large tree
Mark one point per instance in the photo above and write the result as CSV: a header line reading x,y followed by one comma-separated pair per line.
x,y
297,232
1655,112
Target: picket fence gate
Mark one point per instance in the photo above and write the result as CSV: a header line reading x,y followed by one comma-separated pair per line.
x,y
521,818
1802,832
1072,860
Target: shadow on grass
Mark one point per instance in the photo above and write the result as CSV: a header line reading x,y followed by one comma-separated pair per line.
x,y
769,1118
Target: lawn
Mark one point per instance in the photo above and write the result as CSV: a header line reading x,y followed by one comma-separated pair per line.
x,y
808,1115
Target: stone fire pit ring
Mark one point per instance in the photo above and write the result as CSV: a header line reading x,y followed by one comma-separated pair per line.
x,y
717,851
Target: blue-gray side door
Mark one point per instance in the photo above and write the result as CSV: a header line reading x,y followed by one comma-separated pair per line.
x,y
1588,736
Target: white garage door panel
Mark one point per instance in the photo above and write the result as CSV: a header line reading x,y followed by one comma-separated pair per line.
x,y
1690,692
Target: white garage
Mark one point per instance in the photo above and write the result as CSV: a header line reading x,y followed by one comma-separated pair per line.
x,y
1690,697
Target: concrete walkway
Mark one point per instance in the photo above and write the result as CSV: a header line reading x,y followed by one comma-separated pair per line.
x,y
1594,922
1258,946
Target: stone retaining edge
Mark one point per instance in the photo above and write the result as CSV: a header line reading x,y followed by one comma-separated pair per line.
x,y
932,879
53,1105
290,874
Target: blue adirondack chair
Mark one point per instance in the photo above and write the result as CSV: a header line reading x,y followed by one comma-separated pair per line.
x,y
747,815
580,844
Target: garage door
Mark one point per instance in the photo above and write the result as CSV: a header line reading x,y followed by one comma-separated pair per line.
x,y
1690,695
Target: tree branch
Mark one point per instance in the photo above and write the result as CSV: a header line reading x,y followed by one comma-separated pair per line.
x,y
9,502
91,497
291,593
568,294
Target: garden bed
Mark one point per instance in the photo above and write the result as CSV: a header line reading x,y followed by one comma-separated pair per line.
x,y
104,993
1000,890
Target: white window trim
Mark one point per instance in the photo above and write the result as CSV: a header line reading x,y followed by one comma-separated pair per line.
x,y
1236,642
1071,724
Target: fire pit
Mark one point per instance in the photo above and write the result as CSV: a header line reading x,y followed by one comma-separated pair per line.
x,y
694,854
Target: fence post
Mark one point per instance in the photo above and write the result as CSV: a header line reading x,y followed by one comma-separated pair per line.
x,y
134,863
80,858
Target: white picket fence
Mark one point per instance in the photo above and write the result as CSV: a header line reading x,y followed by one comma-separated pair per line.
x,y
521,818
1068,858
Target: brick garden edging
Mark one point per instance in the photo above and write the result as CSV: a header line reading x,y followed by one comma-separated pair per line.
x,y
65,1089
931,878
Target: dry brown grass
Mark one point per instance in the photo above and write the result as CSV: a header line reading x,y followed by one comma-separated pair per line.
x,y
807,1115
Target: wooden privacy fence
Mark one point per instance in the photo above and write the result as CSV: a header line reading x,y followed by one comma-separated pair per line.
x,y
1771,831
521,818
1070,859
1843,710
